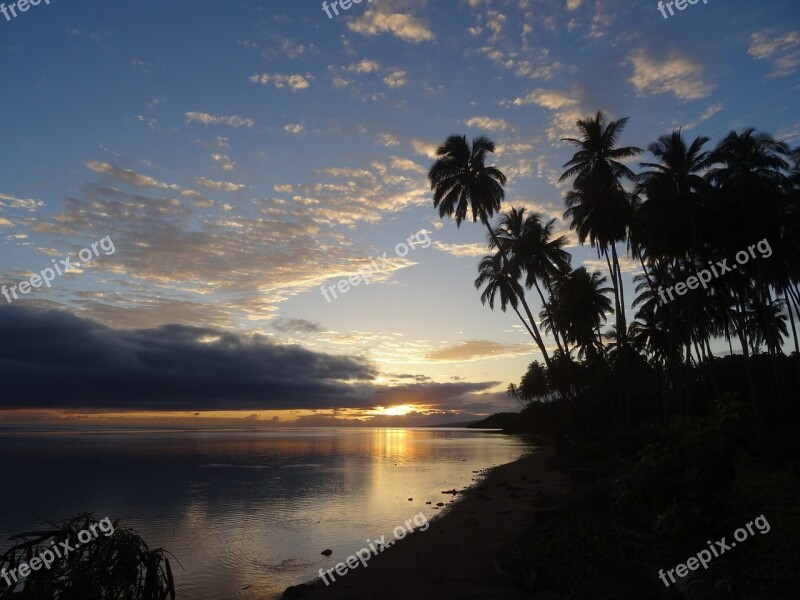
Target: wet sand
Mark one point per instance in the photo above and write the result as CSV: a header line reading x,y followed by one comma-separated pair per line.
x,y
453,558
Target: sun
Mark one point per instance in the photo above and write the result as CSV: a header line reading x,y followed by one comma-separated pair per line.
x,y
397,411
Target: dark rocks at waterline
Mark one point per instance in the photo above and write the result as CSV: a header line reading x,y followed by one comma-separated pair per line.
x,y
327,552
297,591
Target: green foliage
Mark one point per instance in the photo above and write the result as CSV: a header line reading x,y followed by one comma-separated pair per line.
x,y
766,565
116,565
591,553
685,477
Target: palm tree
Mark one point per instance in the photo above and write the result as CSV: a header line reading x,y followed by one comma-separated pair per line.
x,y
500,283
581,305
534,383
775,331
598,206
749,174
674,189
461,184
531,250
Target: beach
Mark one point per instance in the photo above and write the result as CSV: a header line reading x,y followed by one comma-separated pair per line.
x,y
454,557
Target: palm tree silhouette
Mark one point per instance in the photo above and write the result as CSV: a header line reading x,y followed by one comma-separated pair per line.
x,y
675,190
598,206
580,303
461,184
500,283
531,250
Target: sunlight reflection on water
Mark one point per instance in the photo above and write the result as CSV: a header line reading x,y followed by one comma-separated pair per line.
x,y
247,513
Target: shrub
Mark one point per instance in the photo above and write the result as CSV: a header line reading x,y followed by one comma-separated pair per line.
x,y
686,476
117,565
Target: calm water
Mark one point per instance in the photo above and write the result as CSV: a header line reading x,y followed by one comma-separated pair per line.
x,y
240,508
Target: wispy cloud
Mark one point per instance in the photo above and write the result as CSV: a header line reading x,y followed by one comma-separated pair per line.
x,y
296,83
477,350
680,76
782,51
487,123
207,119
400,25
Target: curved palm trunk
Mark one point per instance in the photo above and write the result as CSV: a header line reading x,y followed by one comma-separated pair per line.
x,y
616,280
791,305
524,322
624,330
533,329
647,275
544,305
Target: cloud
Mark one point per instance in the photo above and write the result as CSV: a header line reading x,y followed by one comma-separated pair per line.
x,y
207,119
402,26
681,76
782,51
567,106
30,204
126,176
487,123
295,326
424,147
626,265
365,66
710,112
220,186
478,350
295,128
295,82
389,140
82,364
514,148
223,161
546,98
396,78
404,164
461,250
536,63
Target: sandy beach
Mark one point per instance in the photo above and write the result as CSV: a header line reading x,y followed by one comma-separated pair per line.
x,y
453,558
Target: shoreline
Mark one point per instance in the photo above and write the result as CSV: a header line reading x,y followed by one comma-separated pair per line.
x,y
454,557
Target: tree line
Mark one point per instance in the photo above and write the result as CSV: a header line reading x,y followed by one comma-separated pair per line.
x,y
689,206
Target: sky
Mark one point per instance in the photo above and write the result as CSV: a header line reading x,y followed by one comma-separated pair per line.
x,y
232,161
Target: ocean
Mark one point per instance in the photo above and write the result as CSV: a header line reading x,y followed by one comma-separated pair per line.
x,y
246,513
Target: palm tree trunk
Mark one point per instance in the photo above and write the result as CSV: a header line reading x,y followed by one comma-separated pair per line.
x,y
613,273
789,309
544,306
524,322
537,337
623,329
622,333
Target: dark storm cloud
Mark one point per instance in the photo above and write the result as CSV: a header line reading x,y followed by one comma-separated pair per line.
x,y
295,326
53,359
